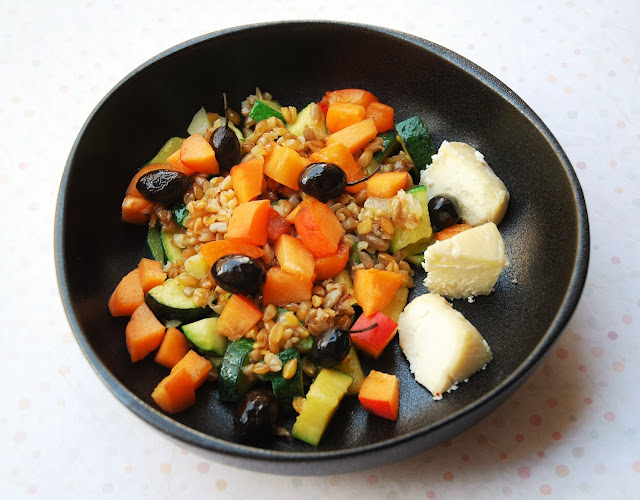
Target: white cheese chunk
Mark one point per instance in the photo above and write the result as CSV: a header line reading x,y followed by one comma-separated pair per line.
x,y
442,347
466,264
460,173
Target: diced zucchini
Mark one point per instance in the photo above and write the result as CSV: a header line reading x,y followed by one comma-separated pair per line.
x,y
397,304
168,301
263,109
199,123
232,382
416,251
170,147
402,236
304,119
353,368
171,251
203,334
180,214
416,142
322,401
153,247
390,146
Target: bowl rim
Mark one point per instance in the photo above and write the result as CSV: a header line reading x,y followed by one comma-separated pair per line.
x,y
209,443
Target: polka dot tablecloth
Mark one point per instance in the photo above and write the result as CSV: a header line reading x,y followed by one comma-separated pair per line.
x,y
571,431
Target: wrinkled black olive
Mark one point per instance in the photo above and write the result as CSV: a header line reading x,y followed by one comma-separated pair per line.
x,y
163,186
330,347
325,181
442,213
239,274
256,415
225,143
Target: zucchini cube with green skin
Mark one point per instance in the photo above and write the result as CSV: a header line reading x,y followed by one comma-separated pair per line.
x,y
203,334
417,143
153,247
171,251
170,147
322,401
263,109
390,146
403,237
168,302
303,120
232,382
286,389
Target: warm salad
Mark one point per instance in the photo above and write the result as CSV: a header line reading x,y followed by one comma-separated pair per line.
x,y
280,249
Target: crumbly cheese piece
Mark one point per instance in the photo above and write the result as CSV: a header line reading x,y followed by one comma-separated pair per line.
x,y
467,264
442,347
460,173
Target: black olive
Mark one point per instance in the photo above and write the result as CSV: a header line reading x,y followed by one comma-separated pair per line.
x,y
325,181
256,415
239,274
330,347
225,143
163,186
442,213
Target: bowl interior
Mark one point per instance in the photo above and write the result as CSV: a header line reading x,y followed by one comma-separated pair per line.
x,y
297,63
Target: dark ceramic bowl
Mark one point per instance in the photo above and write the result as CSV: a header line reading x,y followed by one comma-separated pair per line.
x,y
298,62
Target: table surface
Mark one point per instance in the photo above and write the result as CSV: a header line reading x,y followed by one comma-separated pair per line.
x,y
570,431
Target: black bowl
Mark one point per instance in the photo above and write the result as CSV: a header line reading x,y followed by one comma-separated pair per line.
x,y
545,229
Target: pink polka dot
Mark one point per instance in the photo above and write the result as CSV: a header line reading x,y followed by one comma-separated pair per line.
x,y
64,370
597,351
499,422
540,454
612,335
582,368
482,439
524,472
636,466
562,471
552,402
557,436
621,124
562,353
24,403
20,437
618,366
609,416
626,319
506,491
503,455
372,479
430,494
600,469
535,420
603,383
613,163
447,476
446,444
615,260
581,165
466,458
519,438
165,469
22,165
545,489
33,489
203,467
